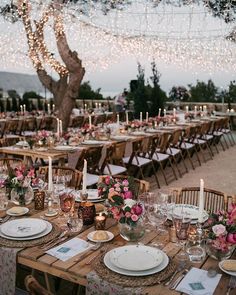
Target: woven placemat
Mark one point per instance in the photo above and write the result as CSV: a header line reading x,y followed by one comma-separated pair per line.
x,y
132,281
55,232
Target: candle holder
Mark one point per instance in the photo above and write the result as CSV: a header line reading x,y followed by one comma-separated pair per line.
x,y
100,222
84,196
51,211
87,212
39,198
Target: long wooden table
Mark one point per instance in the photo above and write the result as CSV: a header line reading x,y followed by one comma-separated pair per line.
x,y
75,269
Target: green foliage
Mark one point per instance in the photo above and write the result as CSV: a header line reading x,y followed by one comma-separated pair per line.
x,y
13,94
203,92
86,92
8,105
179,93
147,98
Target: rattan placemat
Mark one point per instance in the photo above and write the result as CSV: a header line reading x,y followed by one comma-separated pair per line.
x,y
31,243
132,281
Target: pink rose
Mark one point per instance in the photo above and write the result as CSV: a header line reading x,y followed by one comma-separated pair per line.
x,y
31,173
107,180
125,182
111,189
125,189
128,214
231,238
219,229
128,195
137,209
134,217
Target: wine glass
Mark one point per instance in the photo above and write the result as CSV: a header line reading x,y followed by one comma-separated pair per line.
x,y
67,202
181,223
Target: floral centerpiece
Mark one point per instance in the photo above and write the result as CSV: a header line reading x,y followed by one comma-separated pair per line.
x,y
20,181
120,194
42,137
221,233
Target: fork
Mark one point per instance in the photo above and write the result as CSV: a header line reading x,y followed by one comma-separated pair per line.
x,y
4,219
179,279
231,285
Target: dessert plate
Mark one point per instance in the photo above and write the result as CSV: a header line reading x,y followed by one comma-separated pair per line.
x,y
110,237
229,272
21,212
189,210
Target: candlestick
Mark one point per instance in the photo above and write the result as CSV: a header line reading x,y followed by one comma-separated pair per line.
x,y
84,177
53,108
21,108
49,109
147,117
164,112
24,108
118,120
174,112
159,112
195,111
127,117
141,117
201,201
90,122
96,105
60,127
50,183
200,108
85,106
186,109
99,105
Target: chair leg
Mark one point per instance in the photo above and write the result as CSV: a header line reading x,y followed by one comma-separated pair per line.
x,y
199,161
231,135
47,281
155,175
171,164
209,150
226,143
190,160
185,166
202,153
176,165
163,173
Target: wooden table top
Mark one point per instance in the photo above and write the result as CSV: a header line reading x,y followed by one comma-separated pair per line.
x,y
75,269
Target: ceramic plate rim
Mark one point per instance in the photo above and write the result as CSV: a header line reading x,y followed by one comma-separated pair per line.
x,y
193,220
92,142
231,273
157,269
15,214
132,248
64,148
110,234
27,220
42,234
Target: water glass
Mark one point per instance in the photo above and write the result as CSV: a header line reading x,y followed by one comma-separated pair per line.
x,y
75,224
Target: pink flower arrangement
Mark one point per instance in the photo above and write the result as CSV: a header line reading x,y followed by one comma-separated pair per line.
x,y
120,193
21,177
222,229
43,135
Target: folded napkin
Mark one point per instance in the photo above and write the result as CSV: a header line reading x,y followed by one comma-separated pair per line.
x,y
197,282
69,249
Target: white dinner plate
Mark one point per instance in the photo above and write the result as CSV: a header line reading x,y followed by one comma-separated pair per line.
x,y
126,272
88,142
25,227
25,210
110,237
191,210
42,234
151,130
138,133
136,257
231,273
121,137
64,148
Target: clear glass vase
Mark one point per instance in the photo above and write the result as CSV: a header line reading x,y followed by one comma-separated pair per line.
x,y
22,195
132,233
218,254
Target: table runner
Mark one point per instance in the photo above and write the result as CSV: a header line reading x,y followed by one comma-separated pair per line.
x,y
98,286
8,270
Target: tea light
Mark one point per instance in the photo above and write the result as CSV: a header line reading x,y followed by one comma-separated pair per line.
x,y
100,222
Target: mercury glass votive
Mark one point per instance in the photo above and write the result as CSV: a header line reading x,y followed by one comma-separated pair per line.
x,y
100,222
39,198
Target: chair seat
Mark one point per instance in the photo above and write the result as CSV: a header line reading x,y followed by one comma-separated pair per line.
x,y
208,136
159,157
226,130
186,145
173,151
114,169
217,133
92,179
199,141
137,161
28,133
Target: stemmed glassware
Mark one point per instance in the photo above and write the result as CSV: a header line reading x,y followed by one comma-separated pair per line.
x,y
181,223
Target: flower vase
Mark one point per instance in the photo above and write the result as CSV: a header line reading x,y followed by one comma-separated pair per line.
x,y
132,232
217,253
22,195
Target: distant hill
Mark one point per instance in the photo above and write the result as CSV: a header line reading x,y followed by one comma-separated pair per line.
x,y
20,82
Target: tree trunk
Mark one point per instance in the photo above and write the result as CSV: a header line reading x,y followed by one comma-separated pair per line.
x,y
71,73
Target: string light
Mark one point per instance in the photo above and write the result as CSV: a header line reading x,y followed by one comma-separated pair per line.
x,y
187,36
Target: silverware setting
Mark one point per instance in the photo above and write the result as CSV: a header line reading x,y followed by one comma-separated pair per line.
x,y
231,284
84,254
4,219
53,243
102,250
176,282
